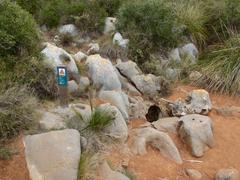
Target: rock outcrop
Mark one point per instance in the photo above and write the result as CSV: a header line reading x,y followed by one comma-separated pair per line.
x,y
110,25
227,174
197,132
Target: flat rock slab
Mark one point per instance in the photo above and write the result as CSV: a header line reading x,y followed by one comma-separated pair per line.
x,y
53,155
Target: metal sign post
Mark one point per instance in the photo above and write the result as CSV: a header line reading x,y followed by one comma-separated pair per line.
x,y
62,77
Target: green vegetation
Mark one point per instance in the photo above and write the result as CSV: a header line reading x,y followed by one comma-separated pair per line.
x,y
221,67
18,31
5,152
16,111
83,165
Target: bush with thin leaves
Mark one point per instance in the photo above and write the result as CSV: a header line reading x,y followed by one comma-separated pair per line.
x,y
221,67
16,111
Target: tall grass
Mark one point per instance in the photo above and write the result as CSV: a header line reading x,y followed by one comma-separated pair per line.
x,y
221,67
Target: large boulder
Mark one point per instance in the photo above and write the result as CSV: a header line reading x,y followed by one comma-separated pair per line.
x,y
138,107
80,56
118,128
128,69
118,39
68,29
168,124
157,139
197,132
148,84
53,155
118,99
227,174
102,73
174,55
199,102
110,25
55,56
196,102
190,52
51,121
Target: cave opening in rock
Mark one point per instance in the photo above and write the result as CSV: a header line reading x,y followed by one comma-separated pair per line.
x,y
154,113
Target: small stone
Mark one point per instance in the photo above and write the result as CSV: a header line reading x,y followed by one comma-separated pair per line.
x,y
227,174
193,174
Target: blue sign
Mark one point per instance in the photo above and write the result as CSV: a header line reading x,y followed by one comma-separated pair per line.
x,y
62,76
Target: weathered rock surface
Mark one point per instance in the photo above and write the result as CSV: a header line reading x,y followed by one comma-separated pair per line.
x,y
118,128
227,174
138,107
110,25
199,102
118,99
55,56
107,173
167,124
51,121
53,155
129,69
194,75
72,87
190,52
172,74
197,132
148,84
196,102
194,174
118,39
102,73
93,48
80,56
159,140
68,29
174,55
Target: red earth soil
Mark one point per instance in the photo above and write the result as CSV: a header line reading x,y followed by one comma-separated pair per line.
x,y
153,166
225,154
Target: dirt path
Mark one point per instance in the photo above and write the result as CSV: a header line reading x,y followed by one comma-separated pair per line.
x,y
16,167
225,154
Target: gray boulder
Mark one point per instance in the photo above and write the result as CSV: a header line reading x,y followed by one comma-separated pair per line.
x,y
93,48
190,52
157,139
148,84
173,74
53,155
55,56
138,107
227,174
129,69
197,132
193,174
80,56
169,124
174,55
102,73
118,99
195,75
68,29
118,39
110,25
118,128
198,101
50,121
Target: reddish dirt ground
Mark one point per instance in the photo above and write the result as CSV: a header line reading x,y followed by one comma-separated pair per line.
x,y
225,154
153,166
15,168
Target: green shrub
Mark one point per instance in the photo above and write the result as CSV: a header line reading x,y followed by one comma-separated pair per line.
x,y
32,6
18,31
5,152
16,111
192,15
149,25
221,67
111,6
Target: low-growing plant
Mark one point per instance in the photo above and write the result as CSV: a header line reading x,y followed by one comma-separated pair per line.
x,y
149,25
110,6
83,165
18,31
221,67
16,111
5,152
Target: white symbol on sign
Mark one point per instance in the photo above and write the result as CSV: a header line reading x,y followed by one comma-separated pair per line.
x,y
61,72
